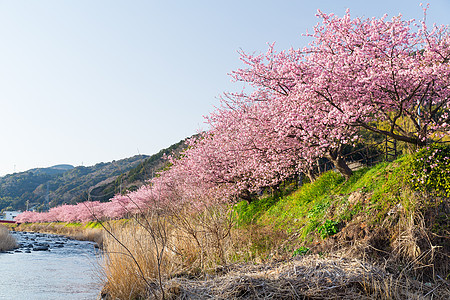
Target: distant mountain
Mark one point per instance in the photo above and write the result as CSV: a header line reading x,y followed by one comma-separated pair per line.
x,y
55,170
42,188
134,178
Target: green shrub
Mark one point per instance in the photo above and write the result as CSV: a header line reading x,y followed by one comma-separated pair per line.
x,y
301,251
430,169
318,209
328,228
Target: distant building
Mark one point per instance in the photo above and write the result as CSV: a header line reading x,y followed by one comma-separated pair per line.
x,y
9,215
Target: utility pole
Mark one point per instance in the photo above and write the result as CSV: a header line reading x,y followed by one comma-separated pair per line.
x,y
47,198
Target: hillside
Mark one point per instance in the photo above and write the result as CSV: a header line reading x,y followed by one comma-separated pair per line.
x,y
72,185
65,184
380,234
134,178
376,235
47,187
54,170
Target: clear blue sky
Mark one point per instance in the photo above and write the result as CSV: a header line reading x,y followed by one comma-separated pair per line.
x,y
91,81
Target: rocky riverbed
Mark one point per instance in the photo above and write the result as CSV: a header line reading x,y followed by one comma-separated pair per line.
x,y
31,241
48,266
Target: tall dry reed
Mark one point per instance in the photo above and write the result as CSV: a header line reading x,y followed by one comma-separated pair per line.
x,y
7,241
134,261
141,255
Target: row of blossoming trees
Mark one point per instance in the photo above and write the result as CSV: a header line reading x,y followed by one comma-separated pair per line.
x,y
390,77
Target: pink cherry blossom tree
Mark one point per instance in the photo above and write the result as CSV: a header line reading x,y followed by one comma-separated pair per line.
x,y
391,77
366,73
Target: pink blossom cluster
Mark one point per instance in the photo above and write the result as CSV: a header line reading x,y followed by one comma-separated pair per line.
x,y
80,212
391,77
358,71
118,207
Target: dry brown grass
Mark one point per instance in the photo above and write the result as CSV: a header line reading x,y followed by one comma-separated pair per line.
x,y
88,234
201,256
131,261
75,232
140,255
7,241
308,277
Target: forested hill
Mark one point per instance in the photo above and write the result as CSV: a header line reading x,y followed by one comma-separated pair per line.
x,y
44,187
131,180
65,184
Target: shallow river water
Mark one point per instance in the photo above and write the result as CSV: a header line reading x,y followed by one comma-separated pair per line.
x,y
49,267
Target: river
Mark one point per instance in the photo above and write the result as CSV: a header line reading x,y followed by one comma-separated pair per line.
x,y
49,267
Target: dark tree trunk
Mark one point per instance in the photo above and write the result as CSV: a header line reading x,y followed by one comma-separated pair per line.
x,y
339,162
408,139
246,195
311,175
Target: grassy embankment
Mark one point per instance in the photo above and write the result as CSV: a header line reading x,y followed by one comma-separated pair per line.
x,y
372,236
90,231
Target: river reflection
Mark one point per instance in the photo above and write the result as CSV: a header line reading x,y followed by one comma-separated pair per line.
x,y
67,270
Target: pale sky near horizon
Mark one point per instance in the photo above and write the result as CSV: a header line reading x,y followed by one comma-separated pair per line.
x,y
83,82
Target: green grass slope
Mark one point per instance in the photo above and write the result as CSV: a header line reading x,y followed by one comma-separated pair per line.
x,y
379,213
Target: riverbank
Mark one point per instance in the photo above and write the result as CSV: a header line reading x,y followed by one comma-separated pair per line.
x,y
49,266
91,231
371,236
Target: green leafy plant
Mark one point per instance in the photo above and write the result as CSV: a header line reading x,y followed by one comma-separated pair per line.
x,y
430,169
301,251
328,228
318,209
